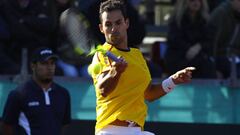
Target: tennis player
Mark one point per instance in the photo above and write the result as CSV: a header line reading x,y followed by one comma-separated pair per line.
x,y
122,87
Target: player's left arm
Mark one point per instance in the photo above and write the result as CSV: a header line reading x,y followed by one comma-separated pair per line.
x,y
155,91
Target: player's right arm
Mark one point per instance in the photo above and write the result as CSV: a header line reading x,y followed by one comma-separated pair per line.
x,y
108,80
11,113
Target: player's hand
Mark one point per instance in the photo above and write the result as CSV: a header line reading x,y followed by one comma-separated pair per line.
x,y
120,66
183,76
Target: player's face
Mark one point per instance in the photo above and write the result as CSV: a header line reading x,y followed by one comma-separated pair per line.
x,y
114,26
44,71
236,5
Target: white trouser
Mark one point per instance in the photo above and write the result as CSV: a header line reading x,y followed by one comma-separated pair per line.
x,y
119,130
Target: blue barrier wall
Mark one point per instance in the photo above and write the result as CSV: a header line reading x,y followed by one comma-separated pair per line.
x,y
201,101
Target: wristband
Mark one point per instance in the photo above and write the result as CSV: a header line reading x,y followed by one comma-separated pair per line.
x,y
168,85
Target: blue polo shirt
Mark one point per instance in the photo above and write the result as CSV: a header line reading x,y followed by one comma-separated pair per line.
x,y
37,111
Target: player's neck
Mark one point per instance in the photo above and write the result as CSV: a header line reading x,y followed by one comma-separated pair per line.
x,y
45,85
122,46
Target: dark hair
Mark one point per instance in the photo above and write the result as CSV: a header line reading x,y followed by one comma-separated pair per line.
x,y
110,5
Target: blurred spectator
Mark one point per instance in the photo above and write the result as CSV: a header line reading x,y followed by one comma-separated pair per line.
x,y
8,66
213,4
63,4
83,5
187,37
149,15
173,1
136,30
135,3
156,60
31,23
224,26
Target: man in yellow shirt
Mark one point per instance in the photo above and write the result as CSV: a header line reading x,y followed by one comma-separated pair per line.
x,y
122,87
